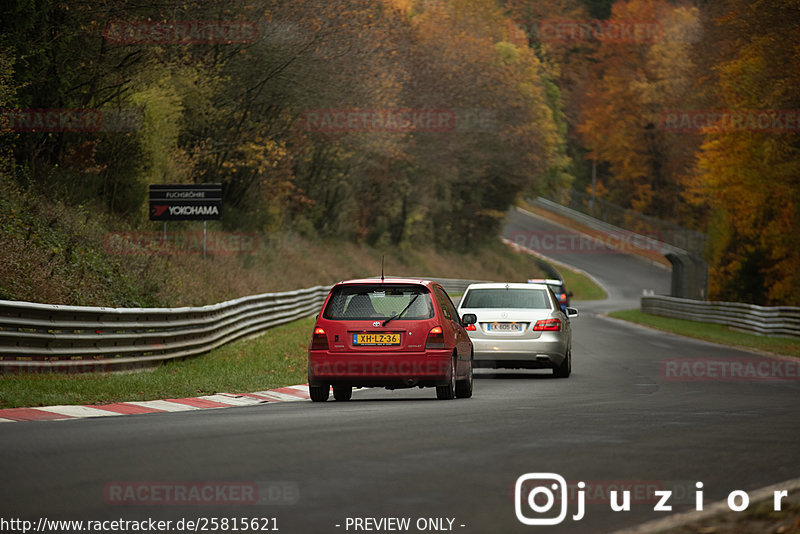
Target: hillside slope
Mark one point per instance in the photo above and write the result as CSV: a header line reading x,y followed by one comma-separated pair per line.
x,y
58,254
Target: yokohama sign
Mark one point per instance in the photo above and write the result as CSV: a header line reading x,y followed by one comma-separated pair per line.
x,y
200,202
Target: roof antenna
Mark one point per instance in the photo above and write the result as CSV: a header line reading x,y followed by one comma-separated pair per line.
x,y
381,268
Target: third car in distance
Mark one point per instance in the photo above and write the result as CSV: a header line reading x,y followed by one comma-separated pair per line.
x,y
558,288
519,326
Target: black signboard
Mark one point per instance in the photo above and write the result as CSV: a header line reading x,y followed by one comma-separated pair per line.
x,y
194,202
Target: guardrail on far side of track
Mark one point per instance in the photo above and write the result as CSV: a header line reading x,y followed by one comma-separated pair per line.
x,y
764,320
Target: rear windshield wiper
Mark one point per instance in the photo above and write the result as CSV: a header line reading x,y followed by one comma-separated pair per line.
x,y
393,317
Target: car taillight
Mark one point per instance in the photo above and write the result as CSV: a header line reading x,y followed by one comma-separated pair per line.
x,y
435,338
563,298
470,327
319,341
547,325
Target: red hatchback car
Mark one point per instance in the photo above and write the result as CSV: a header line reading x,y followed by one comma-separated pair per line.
x,y
395,333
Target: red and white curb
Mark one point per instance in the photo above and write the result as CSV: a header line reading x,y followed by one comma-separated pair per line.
x,y
220,400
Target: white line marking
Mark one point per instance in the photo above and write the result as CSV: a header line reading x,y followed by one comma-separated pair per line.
x,y
164,406
654,330
79,411
231,400
175,405
303,388
277,396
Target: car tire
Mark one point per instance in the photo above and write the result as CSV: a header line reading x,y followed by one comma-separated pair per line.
x,y
464,387
319,393
342,393
565,369
449,391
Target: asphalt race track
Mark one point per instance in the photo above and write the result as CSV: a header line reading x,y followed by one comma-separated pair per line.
x,y
617,421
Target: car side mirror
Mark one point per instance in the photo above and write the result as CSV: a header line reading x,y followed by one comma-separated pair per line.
x,y
572,312
569,294
468,319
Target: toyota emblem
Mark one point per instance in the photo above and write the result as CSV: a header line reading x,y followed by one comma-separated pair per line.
x,y
376,323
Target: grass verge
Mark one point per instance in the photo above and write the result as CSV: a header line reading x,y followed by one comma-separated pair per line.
x,y
275,359
59,254
715,333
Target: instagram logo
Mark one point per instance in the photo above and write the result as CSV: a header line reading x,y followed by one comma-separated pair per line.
x,y
541,493
536,495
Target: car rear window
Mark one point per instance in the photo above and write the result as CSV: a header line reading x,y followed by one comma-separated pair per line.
x,y
506,298
557,288
379,302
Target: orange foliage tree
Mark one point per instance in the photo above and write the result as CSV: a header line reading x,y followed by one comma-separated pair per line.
x,y
749,177
634,81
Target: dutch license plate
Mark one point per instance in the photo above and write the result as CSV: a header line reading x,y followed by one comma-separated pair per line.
x,y
376,339
505,327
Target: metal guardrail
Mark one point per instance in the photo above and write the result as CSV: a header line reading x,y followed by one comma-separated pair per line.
x,y
454,286
647,242
74,339
77,339
676,235
764,320
689,270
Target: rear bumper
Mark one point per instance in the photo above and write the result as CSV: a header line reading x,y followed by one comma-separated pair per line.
x,y
543,353
380,369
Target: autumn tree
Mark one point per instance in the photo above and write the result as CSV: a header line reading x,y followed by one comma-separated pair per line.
x,y
749,177
236,113
506,137
635,81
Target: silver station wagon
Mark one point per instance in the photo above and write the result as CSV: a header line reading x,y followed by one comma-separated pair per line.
x,y
520,326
